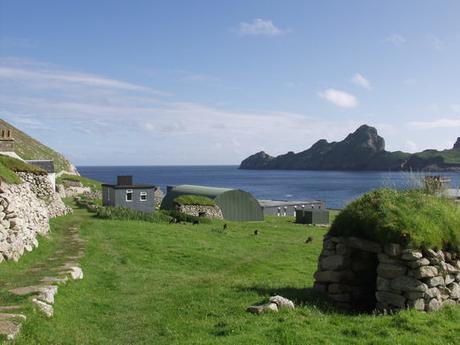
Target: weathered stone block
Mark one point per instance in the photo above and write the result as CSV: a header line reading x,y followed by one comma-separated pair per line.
x,y
333,276
390,271
365,245
385,259
433,293
433,305
448,302
424,272
342,249
415,295
392,249
435,281
336,239
329,245
390,298
334,263
418,263
405,283
449,278
383,284
445,292
418,304
411,255
454,290
451,269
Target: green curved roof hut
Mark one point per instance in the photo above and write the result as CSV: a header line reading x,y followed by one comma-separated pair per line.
x,y
236,205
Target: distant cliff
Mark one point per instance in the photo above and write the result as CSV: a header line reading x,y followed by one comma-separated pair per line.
x,y
29,148
362,150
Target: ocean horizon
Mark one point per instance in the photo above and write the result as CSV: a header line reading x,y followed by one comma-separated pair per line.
x,y
336,188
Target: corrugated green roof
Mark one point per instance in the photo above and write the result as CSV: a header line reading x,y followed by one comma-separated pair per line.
x,y
236,205
210,192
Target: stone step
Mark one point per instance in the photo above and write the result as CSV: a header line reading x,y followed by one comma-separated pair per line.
x,y
7,316
9,307
9,329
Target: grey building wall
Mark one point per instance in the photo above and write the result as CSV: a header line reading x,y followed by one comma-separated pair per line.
x,y
289,210
117,197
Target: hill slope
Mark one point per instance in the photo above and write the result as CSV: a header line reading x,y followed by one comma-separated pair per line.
x,y
29,148
362,150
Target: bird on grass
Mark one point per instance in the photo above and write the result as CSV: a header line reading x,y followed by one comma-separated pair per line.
x,y
309,239
224,227
256,232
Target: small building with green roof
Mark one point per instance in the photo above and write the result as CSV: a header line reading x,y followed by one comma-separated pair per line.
x,y
235,204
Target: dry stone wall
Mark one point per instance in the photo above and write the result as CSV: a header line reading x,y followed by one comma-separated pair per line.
x,y
25,210
212,212
365,275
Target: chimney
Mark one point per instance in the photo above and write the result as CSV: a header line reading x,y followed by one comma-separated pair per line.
x,y
6,141
125,180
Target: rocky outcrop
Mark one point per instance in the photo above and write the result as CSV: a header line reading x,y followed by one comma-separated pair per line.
x,y
212,212
25,212
365,275
274,304
260,160
457,144
362,150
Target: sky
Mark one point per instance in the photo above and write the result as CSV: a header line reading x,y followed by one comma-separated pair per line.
x,y
211,82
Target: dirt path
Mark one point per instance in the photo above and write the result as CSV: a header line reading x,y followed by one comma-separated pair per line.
x,y
35,282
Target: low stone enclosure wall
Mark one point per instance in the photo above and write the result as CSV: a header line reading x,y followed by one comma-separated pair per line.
x,y
366,276
25,210
212,212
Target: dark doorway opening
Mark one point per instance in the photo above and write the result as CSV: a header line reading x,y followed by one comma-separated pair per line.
x,y
364,266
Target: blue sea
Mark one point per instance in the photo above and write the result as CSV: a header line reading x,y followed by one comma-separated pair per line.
x,y
336,188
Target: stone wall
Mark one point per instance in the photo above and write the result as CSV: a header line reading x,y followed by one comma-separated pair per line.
x,y
25,210
364,275
212,212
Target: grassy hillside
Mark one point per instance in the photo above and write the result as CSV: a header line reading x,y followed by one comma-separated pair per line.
x,y
86,182
10,166
29,148
183,284
407,217
448,156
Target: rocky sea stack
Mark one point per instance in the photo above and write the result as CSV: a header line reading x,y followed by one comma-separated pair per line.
x,y
363,149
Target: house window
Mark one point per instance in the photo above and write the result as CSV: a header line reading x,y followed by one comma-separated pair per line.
x,y
129,195
143,196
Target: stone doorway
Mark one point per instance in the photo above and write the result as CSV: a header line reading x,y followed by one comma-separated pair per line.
x,y
364,267
347,273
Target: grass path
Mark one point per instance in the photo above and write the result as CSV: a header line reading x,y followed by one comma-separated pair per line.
x,y
183,284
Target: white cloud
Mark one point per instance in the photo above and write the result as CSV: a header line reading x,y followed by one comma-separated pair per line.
x,y
411,146
260,26
90,113
438,123
455,107
396,39
359,80
340,98
56,77
436,42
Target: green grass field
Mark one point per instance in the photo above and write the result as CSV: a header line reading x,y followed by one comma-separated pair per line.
x,y
149,283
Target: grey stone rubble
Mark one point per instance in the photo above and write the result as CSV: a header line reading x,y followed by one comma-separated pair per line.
x,y
212,212
359,274
275,303
42,298
25,210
